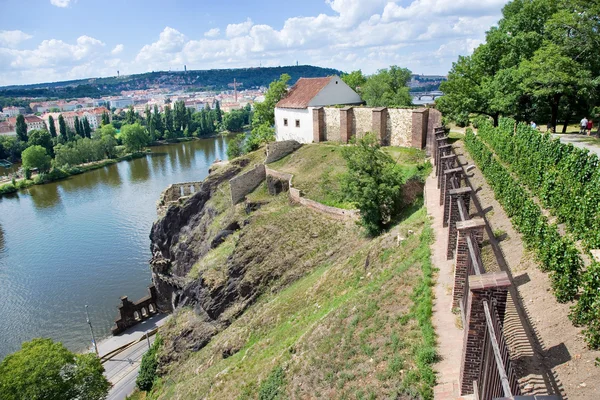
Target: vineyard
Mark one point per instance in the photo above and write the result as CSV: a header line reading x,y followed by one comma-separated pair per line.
x,y
566,180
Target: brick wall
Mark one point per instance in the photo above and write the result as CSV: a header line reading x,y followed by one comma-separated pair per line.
x,y
245,183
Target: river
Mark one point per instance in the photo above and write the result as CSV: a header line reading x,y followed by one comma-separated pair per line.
x,y
84,240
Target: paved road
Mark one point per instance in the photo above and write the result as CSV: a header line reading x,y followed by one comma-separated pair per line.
x,y
122,367
582,141
122,370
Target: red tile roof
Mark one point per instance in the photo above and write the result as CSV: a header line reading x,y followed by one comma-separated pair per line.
x,y
303,92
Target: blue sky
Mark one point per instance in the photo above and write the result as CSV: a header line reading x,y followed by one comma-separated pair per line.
x,y
49,40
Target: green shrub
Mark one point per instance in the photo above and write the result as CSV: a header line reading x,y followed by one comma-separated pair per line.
x,y
8,188
272,387
147,374
373,182
587,310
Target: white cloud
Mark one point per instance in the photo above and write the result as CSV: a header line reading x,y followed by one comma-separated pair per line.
x,y
118,49
212,33
235,30
60,3
425,36
13,38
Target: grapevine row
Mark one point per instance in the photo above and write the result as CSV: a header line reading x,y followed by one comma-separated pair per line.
x,y
557,254
565,178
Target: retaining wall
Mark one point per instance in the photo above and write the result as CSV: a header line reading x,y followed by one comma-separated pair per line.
x,y
278,150
243,184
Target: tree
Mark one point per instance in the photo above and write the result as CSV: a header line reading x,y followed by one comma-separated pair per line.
x,y
134,137
550,75
235,146
105,118
388,88
21,128
87,129
46,370
373,182
264,113
234,120
77,127
168,122
218,112
260,135
52,127
157,123
355,80
147,374
41,137
35,157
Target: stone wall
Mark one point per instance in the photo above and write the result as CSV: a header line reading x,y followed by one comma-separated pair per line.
x,y
400,126
332,124
278,150
174,193
362,121
245,183
392,126
131,313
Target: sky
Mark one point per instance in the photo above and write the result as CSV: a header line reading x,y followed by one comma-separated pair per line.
x,y
54,40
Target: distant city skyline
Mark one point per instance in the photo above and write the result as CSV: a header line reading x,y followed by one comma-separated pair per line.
x,y
55,40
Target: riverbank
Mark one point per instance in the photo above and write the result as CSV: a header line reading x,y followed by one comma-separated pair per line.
x,y
57,174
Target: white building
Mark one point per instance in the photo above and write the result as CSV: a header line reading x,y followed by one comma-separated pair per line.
x,y
13,111
294,113
121,103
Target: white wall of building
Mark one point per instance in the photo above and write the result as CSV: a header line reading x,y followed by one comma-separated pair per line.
x,y
336,92
303,134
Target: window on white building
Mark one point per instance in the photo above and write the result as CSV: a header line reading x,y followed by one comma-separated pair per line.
x,y
285,122
297,123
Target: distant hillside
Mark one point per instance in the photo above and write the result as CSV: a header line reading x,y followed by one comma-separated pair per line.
x,y
216,79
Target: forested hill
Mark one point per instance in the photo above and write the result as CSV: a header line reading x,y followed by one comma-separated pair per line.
x,y
216,79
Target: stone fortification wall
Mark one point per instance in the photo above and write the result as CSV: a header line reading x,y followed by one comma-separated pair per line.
x,y
399,126
296,197
362,121
339,213
392,126
332,124
278,150
174,193
245,183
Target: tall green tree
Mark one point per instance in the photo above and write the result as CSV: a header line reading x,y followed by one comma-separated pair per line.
x,y
233,121
134,137
78,127
388,88
35,157
157,122
105,118
87,129
130,115
41,137
62,128
21,128
168,122
355,80
218,112
51,126
46,370
264,113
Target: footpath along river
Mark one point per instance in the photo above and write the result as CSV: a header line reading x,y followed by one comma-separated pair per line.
x,y
85,240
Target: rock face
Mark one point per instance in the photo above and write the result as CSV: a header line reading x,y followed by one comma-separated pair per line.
x,y
181,236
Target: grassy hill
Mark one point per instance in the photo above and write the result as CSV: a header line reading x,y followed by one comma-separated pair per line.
x,y
337,315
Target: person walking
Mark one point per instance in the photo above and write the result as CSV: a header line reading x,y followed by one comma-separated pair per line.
x,y
590,125
583,126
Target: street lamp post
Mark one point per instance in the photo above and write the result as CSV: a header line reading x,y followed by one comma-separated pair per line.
x,y
87,315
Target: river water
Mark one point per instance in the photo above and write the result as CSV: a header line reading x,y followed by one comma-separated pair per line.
x,y
83,241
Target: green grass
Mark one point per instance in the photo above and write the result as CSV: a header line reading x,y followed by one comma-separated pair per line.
x,y
356,325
